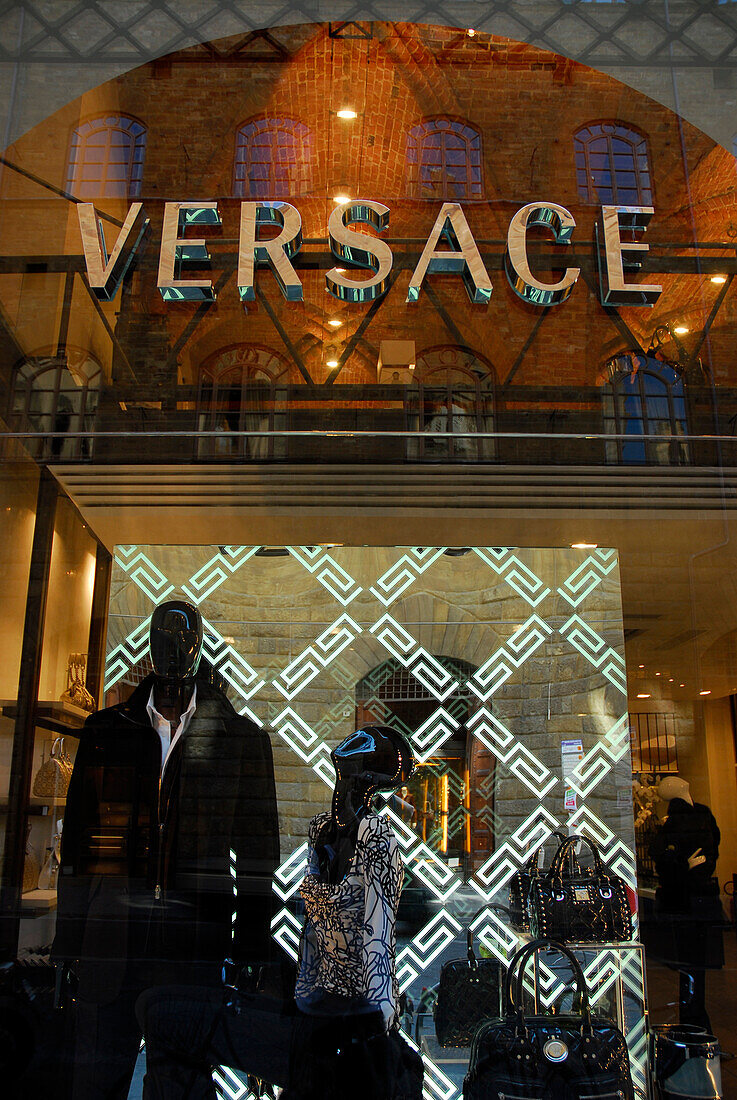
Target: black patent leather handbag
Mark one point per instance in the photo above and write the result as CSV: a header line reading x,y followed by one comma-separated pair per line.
x,y
579,905
519,885
468,993
565,1057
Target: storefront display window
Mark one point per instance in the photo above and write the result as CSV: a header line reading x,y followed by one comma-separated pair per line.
x,y
366,558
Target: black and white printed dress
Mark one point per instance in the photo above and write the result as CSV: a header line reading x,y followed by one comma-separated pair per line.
x,y
348,942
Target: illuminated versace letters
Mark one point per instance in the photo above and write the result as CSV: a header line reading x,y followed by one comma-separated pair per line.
x,y
460,255
517,265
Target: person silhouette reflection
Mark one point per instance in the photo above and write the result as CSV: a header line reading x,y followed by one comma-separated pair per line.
x,y
171,806
341,1030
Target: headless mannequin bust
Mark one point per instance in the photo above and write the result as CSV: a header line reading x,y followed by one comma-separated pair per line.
x,y
373,759
176,648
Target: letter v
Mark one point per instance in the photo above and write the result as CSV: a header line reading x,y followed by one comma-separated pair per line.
x,y
105,274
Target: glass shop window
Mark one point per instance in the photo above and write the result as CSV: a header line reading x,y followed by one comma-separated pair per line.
x,y
106,158
645,398
444,160
237,393
56,396
612,165
454,392
272,159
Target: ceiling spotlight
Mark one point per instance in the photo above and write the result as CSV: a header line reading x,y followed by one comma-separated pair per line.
x,y
334,322
470,32
640,666
340,198
584,545
704,693
657,674
346,112
718,279
643,695
682,685
332,363
681,330
670,679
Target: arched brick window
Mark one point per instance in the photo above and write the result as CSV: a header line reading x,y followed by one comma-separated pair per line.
x,y
444,160
106,158
273,159
612,165
645,398
453,392
57,396
238,394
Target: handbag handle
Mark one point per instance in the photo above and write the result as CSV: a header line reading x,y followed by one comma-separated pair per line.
x,y
519,963
532,860
566,849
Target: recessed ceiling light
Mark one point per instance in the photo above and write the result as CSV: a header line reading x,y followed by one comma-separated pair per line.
x,y
338,199
640,666
470,32
670,679
332,363
347,112
335,322
682,685
680,330
718,279
704,693
657,674
643,695
584,545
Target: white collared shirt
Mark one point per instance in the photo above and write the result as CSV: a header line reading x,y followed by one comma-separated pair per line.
x,y
163,725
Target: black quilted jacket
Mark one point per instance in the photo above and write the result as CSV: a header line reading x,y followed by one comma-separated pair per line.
x,y
147,873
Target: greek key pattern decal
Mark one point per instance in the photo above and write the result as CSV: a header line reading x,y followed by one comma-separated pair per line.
x,y
520,761
313,660
599,760
212,574
502,664
497,870
402,575
412,656
588,576
433,871
230,1086
317,560
429,737
591,646
438,933
614,852
518,576
143,572
303,740
128,653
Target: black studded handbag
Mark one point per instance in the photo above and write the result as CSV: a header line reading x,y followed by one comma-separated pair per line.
x,y
468,992
519,885
579,904
565,1057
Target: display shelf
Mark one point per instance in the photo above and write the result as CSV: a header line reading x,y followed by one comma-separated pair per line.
x,y
38,901
38,807
53,715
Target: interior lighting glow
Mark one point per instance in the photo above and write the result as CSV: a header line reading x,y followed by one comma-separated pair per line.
x,y
643,695
584,545
335,322
640,666
681,330
347,112
682,685
470,32
332,363
338,199
718,279
670,679
704,693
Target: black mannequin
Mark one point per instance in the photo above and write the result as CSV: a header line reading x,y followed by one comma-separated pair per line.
x,y
188,1030
373,759
146,889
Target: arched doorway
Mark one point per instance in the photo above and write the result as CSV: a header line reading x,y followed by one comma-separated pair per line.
x,y
450,799
454,392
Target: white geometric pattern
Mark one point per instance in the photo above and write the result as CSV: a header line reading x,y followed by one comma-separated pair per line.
x,y
128,653
338,582
589,574
433,733
598,761
504,661
311,662
420,858
142,570
304,741
412,656
614,852
591,646
438,933
230,1086
220,566
231,665
400,576
508,857
520,761
288,877
518,576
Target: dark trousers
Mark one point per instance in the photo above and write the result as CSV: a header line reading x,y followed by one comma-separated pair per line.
x,y
190,1030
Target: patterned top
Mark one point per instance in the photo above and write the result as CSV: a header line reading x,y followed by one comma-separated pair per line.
x,y
348,941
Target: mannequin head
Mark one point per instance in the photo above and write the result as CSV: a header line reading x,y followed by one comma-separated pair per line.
x,y
176,640
672,786
373,759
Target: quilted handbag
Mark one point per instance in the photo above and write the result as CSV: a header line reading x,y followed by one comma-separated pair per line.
x,y
579,905
563,1057
468,993
52,778
519,886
